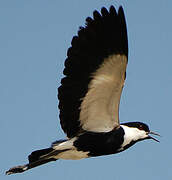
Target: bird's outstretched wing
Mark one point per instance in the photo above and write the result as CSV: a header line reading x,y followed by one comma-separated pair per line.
x,y
95,71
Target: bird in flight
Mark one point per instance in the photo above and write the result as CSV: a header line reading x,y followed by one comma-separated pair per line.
x,y
89,95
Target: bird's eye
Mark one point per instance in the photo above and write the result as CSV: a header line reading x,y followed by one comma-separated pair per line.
x,y
141,127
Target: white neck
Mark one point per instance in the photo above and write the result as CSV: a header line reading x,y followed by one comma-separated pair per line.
x,y
132,134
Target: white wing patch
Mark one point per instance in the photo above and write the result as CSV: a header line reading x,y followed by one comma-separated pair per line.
x,y
100,106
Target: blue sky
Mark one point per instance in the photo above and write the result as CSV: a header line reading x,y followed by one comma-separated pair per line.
x,y
34,38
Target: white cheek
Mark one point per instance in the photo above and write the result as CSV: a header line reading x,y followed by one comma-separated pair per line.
x,y
142,134
132,134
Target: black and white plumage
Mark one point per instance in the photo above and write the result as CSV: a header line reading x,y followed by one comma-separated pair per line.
x,y
89,95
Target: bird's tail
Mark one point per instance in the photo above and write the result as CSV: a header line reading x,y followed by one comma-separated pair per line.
x,y
36,158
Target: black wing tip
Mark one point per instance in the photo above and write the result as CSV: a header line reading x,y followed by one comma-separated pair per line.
x,y
123,25
121,13
96,20
103,13
121,9
96,15
112,10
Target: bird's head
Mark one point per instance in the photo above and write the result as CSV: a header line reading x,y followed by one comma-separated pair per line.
x,y
138,131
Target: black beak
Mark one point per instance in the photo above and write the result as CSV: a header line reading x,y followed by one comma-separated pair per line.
x,y
150,137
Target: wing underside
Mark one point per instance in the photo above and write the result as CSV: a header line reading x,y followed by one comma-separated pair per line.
x,y
95,68
100,107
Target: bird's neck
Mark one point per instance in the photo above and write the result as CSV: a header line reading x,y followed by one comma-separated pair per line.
x,y
131,136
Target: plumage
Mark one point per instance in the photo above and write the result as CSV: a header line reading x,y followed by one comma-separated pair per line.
x,y
100,106
100,45
89,95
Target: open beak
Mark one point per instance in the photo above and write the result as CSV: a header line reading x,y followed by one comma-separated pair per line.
x,y
153,133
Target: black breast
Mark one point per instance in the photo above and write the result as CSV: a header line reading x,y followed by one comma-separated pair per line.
x,y
98,144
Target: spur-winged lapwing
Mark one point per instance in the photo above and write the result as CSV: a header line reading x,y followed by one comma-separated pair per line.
x,y
89,95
